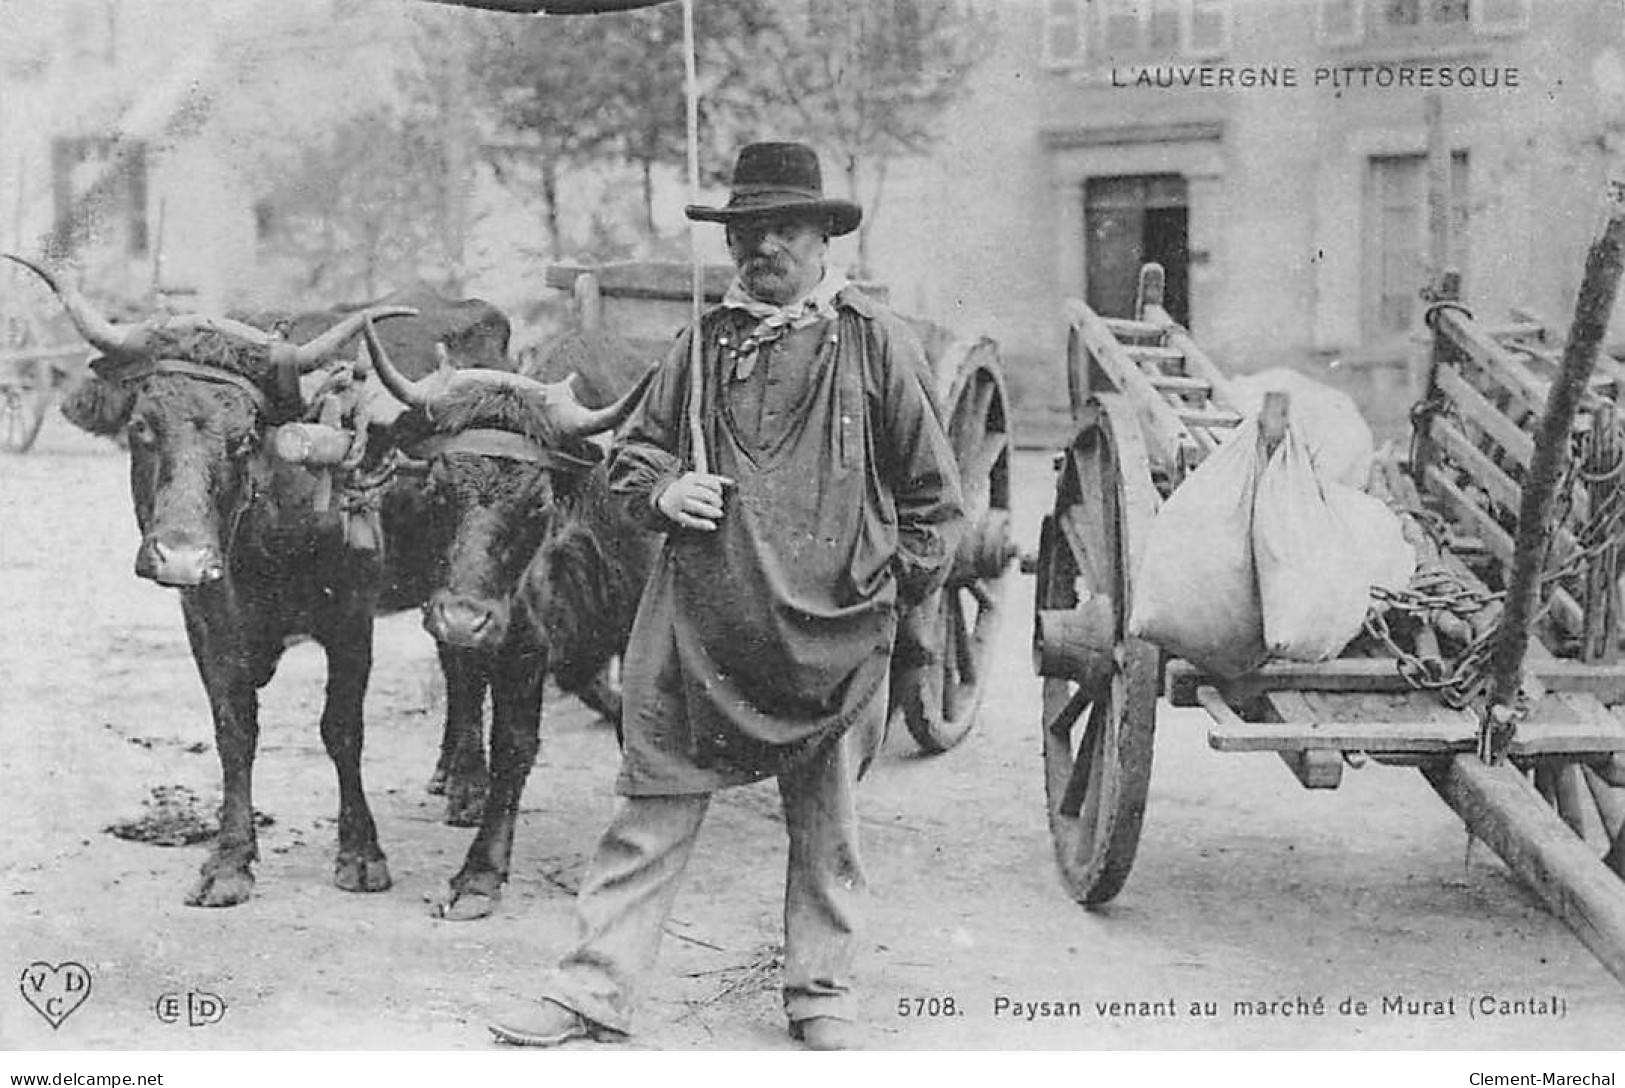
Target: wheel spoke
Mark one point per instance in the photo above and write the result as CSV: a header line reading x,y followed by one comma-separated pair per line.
x,y
1099,797
1061,725
962,643
980,459
1086,764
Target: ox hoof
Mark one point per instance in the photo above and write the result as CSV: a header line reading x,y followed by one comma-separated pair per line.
x,y
225,888
468,905
361,874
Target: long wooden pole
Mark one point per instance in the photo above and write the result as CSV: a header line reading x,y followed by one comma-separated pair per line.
x,y
696,353
1592,310
1438,166
1500,807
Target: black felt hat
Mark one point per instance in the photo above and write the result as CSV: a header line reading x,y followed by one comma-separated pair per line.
x,y
772,178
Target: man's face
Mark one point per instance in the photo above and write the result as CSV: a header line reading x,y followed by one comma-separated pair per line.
x,y
779,257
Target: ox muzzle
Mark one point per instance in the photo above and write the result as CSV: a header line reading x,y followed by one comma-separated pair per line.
x,y
469,623
179,563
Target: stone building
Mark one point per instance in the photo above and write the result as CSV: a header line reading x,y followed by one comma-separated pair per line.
x,y
1272,154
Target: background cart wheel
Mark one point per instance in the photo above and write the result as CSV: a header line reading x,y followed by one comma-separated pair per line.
x,y
1099,686
22,414
953,632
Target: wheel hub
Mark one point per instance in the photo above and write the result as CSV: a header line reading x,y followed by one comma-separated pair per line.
x,y
985,550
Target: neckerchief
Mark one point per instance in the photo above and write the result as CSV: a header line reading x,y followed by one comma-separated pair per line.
x,y
772,322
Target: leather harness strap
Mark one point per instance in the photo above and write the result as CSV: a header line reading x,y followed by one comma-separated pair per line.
x,y
489,442
195,370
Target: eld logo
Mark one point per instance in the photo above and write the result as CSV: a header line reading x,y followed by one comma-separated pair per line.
x,y
198,1007
55,990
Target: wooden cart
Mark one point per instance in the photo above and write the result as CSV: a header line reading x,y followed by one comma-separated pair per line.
x,y
647,303
37,358
1148,405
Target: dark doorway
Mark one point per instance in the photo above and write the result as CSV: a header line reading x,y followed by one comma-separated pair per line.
x,y
1128,221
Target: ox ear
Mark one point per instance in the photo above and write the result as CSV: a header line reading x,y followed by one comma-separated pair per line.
x,y
98,405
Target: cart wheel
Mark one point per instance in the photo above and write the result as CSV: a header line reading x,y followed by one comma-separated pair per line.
x,y
1095,774
939,699
22,414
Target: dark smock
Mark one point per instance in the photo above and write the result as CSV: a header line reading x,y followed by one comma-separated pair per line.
x,y
759,641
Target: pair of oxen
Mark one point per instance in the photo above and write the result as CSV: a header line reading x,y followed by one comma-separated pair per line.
x,y
485,502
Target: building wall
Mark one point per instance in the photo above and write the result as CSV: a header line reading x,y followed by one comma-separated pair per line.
x,y
990,228
195,85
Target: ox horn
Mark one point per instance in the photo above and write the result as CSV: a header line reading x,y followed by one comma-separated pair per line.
x,y
557,400
102,334
576,420
419,394
318,352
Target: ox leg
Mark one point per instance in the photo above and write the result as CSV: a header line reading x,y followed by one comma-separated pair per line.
x,y
360,865
516,719
461,769
218,647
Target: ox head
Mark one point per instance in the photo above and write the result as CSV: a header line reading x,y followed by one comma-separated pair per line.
x,y
506,452
193,394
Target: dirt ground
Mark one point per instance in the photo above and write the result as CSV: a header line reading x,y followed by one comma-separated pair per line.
x,y
1246,889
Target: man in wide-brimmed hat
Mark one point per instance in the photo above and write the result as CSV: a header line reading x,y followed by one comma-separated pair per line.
x,y
761,649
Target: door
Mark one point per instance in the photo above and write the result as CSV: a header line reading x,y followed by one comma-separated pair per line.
x,y
1127,222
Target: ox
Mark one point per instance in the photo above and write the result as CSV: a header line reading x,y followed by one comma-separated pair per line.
x,y
461,333
257,561
540,572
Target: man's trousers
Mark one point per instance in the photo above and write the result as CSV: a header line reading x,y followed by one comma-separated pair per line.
x,y
633,879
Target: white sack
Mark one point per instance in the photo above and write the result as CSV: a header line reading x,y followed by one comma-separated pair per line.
x,y
1327,420
1196,590
1319,547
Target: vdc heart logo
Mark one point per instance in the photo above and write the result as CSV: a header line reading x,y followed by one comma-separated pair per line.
x,y
56,990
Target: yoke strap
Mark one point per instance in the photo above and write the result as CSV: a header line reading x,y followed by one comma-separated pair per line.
x,y
196,370
490,442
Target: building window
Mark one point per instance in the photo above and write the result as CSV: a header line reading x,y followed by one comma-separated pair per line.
x,y
1127,31
1396,257
1063,32
99,189
90,28
1344,22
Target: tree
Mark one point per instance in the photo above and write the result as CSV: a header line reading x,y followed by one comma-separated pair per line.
x,y
865,82
437,91
573,89
359,210
539,77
